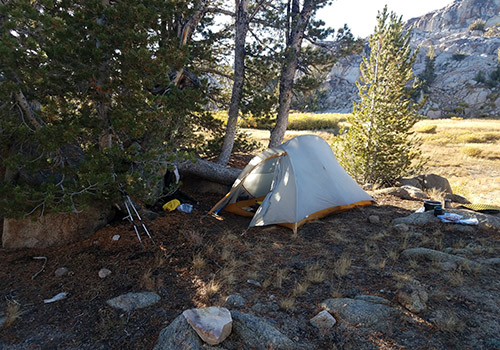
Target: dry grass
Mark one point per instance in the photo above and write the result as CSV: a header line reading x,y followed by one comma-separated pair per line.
x,y
342,265
315,273
449,322
301,288
287,303
455,278
194,238
212,287
12,313
147,280
198,262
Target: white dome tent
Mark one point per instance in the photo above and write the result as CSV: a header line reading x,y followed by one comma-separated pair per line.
x,y
292,184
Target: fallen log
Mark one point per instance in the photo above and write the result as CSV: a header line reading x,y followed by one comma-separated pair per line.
x,y
209,171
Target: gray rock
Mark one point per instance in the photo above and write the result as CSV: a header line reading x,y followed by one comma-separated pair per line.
x,y
394,191
413,297
491,261
414,182
415,192
401,228
179,335
373,299
448,265
258,334
456,198
374,219
323,320
131,301
3,319
418,219
363,313
213,324
61,271
234,301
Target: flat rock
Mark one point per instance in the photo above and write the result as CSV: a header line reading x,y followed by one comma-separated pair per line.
x,y
394,191
434,255
323,320
258,334
131,301
213,324
485,220
179,335
373,299
415,192
362,313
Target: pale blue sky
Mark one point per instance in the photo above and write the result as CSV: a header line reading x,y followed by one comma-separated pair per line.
x,y
360,15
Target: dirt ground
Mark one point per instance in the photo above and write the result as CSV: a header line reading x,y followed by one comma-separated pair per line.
x,y
198,261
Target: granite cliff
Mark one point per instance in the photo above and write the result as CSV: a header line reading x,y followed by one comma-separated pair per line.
x,y
466,65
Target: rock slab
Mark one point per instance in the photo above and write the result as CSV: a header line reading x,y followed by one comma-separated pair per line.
x,y
178,335
131,301
413,297
362,313
212,324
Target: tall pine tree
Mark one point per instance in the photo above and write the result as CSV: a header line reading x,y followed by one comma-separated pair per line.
x,y
379,146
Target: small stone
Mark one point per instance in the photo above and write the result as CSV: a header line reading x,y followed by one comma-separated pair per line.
x,y
213,324
323,320
374,219
116,237
234,300
103,273
402,228
62,271
255,283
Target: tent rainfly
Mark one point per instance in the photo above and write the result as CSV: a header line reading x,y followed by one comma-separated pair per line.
x,y
292,184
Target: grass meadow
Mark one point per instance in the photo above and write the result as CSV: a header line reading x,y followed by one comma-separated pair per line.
x,y
465,151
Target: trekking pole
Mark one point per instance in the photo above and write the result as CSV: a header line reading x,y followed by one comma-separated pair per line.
x,y
131,218
140,219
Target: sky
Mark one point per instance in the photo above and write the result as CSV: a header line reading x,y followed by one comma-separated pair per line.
x,y
360,15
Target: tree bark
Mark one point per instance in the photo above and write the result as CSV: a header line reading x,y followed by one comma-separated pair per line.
x,y
296,27
241,29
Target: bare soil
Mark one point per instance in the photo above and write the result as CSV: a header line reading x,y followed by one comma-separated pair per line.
x,y
198,261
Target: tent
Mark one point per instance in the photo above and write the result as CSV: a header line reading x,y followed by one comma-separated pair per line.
x,y
292,184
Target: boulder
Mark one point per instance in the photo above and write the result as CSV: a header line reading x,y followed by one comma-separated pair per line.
x,y
323,320
436,182
104,272
131,301
413,297
179,335
374,219
394,191
456,198
257,334
55,229
213,324
415,192
61,271
363,313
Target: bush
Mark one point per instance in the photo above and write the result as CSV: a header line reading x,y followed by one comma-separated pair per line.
x,y
478,25
427,129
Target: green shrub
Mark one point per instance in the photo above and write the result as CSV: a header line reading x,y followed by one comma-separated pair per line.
x,y
478,25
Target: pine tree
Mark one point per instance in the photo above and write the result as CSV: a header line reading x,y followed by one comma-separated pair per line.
x,y
95,98
379,146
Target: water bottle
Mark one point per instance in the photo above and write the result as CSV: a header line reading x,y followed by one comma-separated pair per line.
x,y
185,208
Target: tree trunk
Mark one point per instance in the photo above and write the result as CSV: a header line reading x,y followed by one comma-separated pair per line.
x,y
241,29
298,23
209,171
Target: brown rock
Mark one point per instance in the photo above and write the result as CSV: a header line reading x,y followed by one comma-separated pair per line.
x,y
54,229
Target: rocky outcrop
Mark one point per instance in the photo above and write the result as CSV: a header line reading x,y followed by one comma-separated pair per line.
x,y
464,62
